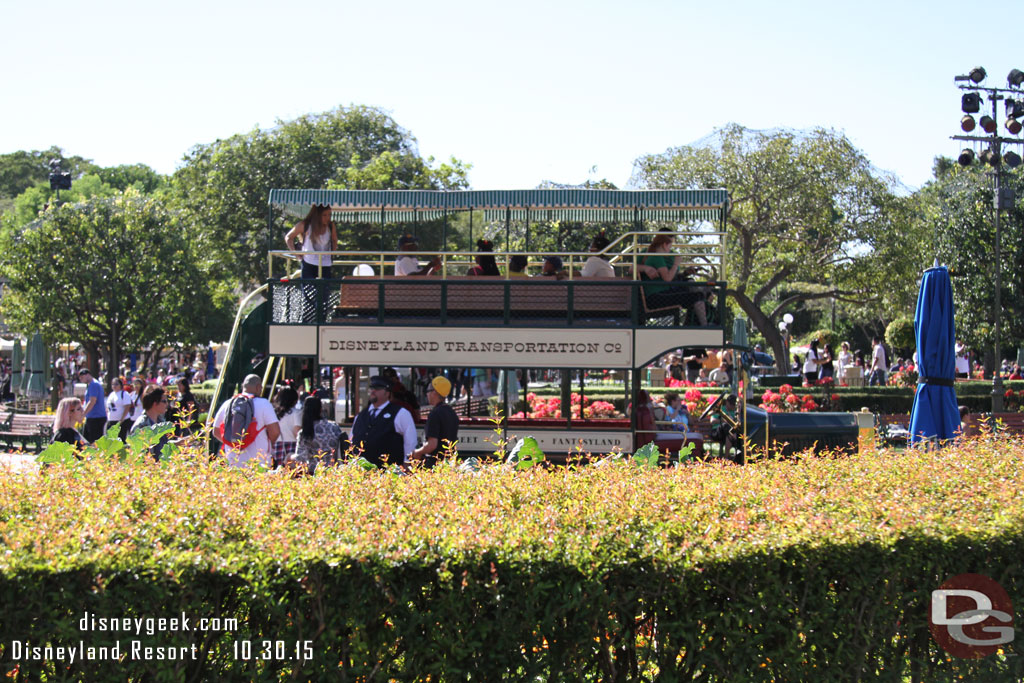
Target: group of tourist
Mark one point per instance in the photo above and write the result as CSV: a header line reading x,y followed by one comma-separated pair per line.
x,y
699,367
822,362
292,433
668,282
127,409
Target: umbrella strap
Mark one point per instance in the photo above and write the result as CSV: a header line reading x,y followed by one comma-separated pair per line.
x,y
936,381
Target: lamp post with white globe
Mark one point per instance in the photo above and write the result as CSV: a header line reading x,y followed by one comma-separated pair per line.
x,y
784,324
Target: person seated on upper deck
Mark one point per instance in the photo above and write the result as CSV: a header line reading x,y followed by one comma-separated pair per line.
x,y
657,267
410,265
597,265
485,263
517,266
553,268
317,232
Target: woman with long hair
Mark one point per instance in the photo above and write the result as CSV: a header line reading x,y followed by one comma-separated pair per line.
x,y
317,233
320,441
186,409
828,367
138,388
69,415
119,408
811,362
660,269
485,263
289,416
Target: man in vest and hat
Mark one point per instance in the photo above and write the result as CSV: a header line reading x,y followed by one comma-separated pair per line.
x,y
383,431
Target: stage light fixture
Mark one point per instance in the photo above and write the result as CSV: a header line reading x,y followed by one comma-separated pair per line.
x,y
966,157
970,103
989,157
1014,126
967,123
1011,159
977,74
1015,78
988,124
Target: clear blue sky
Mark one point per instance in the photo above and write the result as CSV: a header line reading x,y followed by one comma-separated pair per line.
x,y
526,91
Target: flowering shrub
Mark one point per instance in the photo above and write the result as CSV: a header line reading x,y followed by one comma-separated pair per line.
x,y
903,378
695,401
551,407
785,401
1013,401
682,383
591,571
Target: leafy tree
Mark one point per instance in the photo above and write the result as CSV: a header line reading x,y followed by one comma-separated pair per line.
x,y
29,205
808,217
113,273
139,176
401,171
21,170
956,212
223,186
899,335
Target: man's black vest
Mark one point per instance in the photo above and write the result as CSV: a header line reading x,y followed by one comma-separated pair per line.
x,y
377,436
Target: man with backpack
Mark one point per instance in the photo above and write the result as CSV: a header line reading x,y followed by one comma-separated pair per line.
x,y
247,425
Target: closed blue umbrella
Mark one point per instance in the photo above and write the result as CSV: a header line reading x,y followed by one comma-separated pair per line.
x,y
35,365
16,374
935,414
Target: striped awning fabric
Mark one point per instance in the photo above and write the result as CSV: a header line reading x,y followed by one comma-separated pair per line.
x,y
575,204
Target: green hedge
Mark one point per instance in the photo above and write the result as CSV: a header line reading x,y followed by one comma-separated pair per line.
x,y
819,569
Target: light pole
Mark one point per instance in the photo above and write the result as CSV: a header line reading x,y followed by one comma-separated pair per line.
x,y
784,324
59,180
970,103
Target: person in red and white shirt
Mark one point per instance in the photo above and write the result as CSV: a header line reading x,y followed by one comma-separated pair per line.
x,y
260,450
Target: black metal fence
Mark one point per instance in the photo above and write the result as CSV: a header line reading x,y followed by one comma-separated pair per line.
x,y
497,301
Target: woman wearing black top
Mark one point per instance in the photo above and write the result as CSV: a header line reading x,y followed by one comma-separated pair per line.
x,y
485,263
185,415
827,367
69,413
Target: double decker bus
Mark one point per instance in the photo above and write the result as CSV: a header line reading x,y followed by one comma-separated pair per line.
x,y
560,358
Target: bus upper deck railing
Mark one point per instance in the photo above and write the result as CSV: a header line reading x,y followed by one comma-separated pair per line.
x,y
463,301
703,250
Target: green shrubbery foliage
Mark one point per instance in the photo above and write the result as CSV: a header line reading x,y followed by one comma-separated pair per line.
x,y
818,569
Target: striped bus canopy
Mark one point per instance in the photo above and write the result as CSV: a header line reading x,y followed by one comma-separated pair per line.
x,y
381,206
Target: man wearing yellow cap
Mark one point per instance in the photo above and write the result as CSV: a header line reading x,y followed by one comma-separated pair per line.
x,y
442,424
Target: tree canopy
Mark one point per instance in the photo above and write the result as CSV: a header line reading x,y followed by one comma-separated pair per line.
x,y
112,273
957,215
809,219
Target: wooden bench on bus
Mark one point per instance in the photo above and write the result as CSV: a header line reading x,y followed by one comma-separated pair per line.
x,y
477,296
26,429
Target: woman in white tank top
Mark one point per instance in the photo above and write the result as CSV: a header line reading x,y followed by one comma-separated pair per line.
x,y
318,234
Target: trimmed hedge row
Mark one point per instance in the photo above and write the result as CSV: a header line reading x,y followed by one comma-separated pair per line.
x,y
818,569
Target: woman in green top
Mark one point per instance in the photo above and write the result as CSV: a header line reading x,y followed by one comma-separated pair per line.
x,y
659,268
